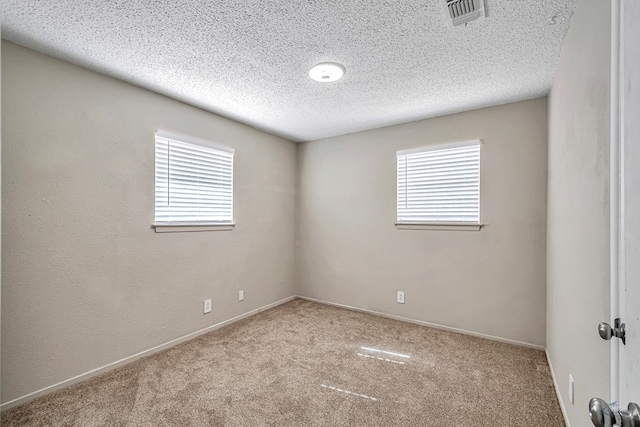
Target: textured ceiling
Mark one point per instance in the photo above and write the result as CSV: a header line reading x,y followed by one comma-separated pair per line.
x,y
248,59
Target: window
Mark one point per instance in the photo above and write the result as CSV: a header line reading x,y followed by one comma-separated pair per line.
x,y
440,185
194,182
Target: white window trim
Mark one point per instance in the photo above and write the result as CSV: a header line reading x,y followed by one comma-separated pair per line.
x,y
440,225
436,147
179,227
193,140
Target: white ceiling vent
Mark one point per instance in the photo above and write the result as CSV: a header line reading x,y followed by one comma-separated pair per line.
x,y
459,12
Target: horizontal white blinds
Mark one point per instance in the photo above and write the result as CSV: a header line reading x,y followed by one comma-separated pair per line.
x,y
194,183
440,184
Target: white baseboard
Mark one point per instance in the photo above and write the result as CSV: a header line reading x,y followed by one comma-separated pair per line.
x,y
168,344
555,385
423,323
132,358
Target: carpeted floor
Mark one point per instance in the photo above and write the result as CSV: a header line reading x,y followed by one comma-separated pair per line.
x,y
305,364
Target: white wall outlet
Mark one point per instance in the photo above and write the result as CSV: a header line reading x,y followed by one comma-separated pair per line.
x,y
207,306
400,297
571,389
241,296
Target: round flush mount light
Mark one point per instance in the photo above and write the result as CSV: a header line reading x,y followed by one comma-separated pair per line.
x,y
327,72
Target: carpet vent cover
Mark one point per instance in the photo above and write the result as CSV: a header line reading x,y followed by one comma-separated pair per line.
x,y
459,12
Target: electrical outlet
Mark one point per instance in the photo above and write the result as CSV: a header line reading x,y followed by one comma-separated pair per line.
x,y
400,297
571,389
207,306
241,296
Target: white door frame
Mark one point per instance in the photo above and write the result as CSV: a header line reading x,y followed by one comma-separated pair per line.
x,y
616,191
625,15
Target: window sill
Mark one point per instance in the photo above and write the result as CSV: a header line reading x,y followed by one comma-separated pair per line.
x,y
181,228
442,226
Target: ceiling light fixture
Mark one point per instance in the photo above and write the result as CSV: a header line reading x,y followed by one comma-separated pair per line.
x,y
327,72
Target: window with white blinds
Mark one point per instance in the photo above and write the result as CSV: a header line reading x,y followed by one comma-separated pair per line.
x,y
194,181
440,184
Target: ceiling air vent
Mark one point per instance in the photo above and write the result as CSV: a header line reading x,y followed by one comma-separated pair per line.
x,y
459,12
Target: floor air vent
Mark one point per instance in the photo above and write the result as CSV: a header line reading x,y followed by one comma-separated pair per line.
x,y
459,12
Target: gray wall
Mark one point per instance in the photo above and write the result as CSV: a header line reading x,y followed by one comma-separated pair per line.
x,y
0,204
578,215
85,280
490,282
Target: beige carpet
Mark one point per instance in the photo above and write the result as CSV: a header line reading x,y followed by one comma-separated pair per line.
x,y
305,364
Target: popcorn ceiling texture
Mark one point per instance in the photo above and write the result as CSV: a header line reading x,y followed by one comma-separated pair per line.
x,y
248,59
